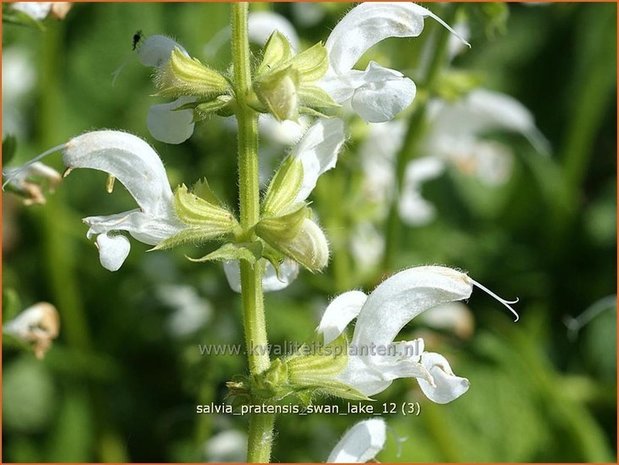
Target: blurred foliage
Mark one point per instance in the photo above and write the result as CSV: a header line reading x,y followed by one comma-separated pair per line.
x,y
121,385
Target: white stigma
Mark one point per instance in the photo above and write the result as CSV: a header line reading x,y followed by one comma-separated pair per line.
x,y
505,302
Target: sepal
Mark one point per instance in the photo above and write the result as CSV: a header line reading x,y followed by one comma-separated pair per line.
x,y
186,76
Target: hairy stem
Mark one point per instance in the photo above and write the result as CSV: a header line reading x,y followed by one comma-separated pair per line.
x,y
261,426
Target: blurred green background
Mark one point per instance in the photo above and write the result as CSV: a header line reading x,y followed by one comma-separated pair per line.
x,y
122,380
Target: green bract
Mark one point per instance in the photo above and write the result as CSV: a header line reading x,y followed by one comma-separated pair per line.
x,y
285,84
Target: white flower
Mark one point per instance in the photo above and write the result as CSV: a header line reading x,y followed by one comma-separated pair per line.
x,y
455,138
361,443
137,166
380,317
376,94
38,325
18,79
40,10
190,311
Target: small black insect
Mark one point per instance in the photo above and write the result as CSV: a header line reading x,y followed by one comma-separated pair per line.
x,y
136,39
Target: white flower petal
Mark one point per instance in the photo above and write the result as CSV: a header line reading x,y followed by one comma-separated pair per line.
x,y
366,25
113,250
375,373
447,386
383,94
318,151
156,50
144,227
405,295
360,443
129,159
166,124
341,311
271,282
288,272
262,24
369,23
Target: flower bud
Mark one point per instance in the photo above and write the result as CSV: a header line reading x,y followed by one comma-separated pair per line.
x,y
278,92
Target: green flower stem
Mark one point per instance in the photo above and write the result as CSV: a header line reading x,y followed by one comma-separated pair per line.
x,y
260,426
415,131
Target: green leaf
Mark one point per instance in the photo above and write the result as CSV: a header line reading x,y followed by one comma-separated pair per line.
x,y
250,251
284,187
9,147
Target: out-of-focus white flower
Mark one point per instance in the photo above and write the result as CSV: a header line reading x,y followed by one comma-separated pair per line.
x,y
455,138
361,443
261,24
38,325
191,311
227,446
138,167
380,317
367,245
18,79
40,10
29,181
376,94
271,281
308,14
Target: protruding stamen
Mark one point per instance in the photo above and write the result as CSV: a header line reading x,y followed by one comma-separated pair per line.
x,y
20,170
505,302
109,185
67,172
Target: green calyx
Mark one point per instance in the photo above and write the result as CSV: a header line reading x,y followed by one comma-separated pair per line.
x,y
285,83
204,215
309,373
186,76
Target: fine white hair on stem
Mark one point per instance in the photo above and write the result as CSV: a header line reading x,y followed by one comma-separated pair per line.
x,y
19,170
505,302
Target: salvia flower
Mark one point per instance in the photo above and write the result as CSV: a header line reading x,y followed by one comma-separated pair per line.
x,y
380,317
376,94
38,326
360,443
137,166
